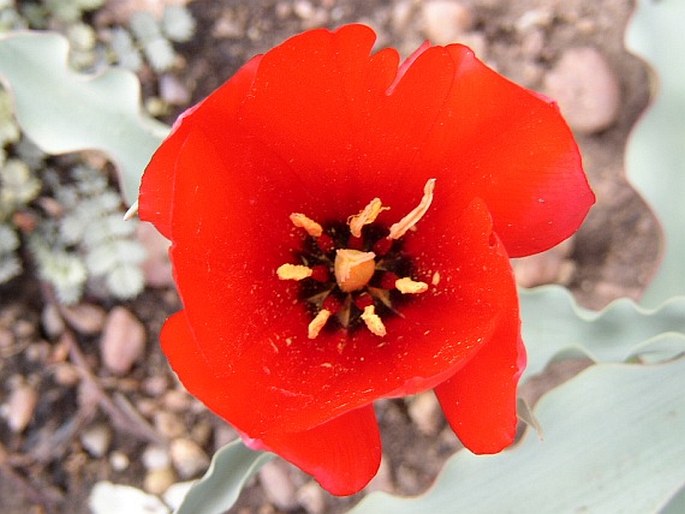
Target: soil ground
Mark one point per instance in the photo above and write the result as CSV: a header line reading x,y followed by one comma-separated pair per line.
x,y
47,467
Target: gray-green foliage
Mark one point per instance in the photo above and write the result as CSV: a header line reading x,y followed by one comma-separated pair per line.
x,y
90,240
154,37
87,245
146,36
18,187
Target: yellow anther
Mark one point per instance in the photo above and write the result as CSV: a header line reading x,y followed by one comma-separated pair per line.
x,y
366,216
400,228
318,323
311,227
373,321
293,272
353,269
408,286
436,278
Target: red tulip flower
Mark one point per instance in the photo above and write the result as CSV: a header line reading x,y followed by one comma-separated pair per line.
x,y
341,230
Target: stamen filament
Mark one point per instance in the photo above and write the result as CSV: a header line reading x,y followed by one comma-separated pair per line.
x,y
406,285
318,323
311,227
366,216
293,272
373,321
400,228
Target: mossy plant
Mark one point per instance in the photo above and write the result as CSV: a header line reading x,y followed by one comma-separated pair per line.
x,y
89,243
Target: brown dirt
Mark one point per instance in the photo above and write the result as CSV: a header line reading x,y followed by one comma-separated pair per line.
x,y
45,468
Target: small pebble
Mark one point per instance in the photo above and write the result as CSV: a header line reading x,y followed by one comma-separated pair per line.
x,y
303,9
534,19
407,479
52,321
402,14
147,407
177,400
223,434
20,406
446,20
228,26
155,385
277,485
176,493
122,342
6,338
156,457
188,458
173,91
96,440
159,480
156,266
109,498
425,412
586,88
65,374
201,432
169,424
24,329
85,318
312,498
119,461
39,351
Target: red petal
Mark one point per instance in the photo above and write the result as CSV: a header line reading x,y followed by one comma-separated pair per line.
x,y
159,180
510,146
324,106
253,332
320,102
342,454
480,400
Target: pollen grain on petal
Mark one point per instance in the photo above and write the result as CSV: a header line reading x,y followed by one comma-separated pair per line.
x,y
293,272
400,228
309,225
318,323
373,321
406,285
366,216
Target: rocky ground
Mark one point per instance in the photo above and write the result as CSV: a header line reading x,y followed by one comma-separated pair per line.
x,y
86,395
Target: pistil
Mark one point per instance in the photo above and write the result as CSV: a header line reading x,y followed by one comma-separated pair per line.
x,y
348,274
353,269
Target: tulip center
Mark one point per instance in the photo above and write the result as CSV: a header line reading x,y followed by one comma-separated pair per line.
x,y
355,274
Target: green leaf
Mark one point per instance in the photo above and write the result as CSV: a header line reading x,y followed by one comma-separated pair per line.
x,y
218,490
613,443
676,505
656,149
65,111
553,323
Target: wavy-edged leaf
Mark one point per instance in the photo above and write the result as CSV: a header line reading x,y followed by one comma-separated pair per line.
x,y
655,154
65,111
613,443
219,488
553,323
